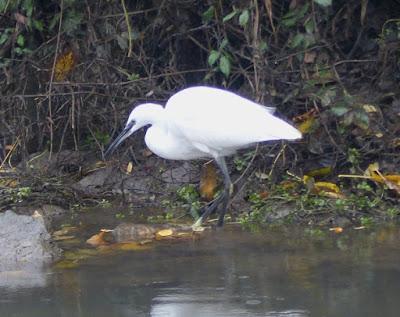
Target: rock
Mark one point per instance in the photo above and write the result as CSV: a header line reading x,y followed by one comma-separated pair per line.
x,y
94,182
279,213
25,239
133,232
184,173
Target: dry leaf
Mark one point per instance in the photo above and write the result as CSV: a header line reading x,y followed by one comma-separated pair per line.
x,y
129,168
164,233
98,239
369,108
328,189
208,182
306,125
323,171
309,57
147,153
336,229
21,18
64,65
306,121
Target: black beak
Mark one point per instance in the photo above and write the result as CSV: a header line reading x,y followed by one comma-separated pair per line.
x,y
119,139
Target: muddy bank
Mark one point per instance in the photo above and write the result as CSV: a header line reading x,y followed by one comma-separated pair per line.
x,y
154,190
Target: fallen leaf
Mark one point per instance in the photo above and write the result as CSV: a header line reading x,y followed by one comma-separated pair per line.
x,y
305,121
306,125
309,57
147,153
323,171
336,229
64,65
129,168
164,233
328,189
261,175
208,182
98,239
369,108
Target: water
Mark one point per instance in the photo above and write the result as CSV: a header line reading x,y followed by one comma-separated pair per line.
x,y
228,273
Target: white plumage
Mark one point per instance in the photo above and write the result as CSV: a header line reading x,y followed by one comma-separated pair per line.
x,y
205,122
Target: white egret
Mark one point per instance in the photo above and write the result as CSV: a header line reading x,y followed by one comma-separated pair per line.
x,y
205,122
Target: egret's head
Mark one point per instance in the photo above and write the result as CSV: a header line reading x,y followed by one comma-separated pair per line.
x,y
140,116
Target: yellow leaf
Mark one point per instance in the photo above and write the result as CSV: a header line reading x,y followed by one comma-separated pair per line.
x,y
98,239
64,65
369,108
328,189
372,169
129,168
164,233
323,171
336,229
327,186
208,182
306,125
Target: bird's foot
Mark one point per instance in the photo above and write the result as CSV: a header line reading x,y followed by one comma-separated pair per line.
x,y
197,226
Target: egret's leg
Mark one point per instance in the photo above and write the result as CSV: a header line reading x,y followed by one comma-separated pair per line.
x,y
228,189
223,198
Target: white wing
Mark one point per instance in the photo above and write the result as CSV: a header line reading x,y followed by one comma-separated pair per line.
x,y
223,121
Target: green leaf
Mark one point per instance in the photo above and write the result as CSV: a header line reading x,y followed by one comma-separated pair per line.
x,y
122,42
229,16
361,119
20,40
72,21
213,57
54,21
28,6
324,3
244,18
263,46
38,25
18,50
309,26
289,22
223,44
225,65
297,40
339,110
295,15
3,38
208,15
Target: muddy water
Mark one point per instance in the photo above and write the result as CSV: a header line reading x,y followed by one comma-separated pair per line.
x,y
227,273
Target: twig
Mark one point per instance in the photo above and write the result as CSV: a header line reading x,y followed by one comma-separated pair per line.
x,y
8,156
128,25
52,78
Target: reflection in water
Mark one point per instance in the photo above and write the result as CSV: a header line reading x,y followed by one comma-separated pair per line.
x,y
228,273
